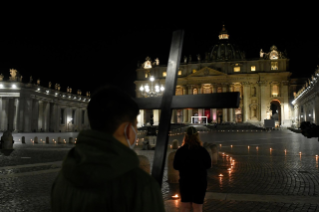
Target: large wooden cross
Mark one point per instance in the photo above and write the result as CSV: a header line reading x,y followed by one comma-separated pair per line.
x,y
168,102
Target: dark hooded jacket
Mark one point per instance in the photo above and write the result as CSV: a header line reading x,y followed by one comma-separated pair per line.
x,y
102,174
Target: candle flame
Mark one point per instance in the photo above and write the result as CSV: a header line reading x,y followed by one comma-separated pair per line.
x,y
175,196
229,169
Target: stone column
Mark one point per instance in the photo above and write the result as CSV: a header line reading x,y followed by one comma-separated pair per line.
x,y
140,119
1,127
200,89
28,114
174,117
46,116
4,113
185,118
190,114
35,115
41,116
316,110
264,93
156,117
18,119
58,118
11,114
246,98
225,118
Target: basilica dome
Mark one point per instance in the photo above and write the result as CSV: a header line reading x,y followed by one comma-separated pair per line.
x,y
224,50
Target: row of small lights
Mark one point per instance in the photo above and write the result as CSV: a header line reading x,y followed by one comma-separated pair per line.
x,y
13,86
294,101
47,91
147,88
54,141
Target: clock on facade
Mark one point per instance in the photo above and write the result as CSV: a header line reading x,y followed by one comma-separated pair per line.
x,y
273,55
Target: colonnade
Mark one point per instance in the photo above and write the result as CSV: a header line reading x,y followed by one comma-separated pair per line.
x,y
22,114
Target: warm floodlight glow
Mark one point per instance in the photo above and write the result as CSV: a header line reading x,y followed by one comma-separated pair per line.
x,y
152,78
220,175
38,89
14,86
162,88
309,114
175,196
141,88
229,169
1,86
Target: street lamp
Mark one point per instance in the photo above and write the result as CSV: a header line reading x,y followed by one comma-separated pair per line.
x,y
151,91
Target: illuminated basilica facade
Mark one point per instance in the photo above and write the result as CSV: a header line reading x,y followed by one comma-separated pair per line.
x,y
262,81
30,107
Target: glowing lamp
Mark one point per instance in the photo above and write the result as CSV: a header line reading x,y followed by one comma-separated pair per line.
x,y
231,146
175,196
152,78
14,86
316,156
220,175
248,147
300,153
270,148
1,86
229,169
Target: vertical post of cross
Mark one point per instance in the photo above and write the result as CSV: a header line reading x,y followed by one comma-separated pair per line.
x,y
166,111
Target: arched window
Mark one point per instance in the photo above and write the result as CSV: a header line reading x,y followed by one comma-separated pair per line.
x,y
195,91
219,90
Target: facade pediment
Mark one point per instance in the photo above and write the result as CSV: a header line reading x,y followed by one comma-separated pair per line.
x,y
207,71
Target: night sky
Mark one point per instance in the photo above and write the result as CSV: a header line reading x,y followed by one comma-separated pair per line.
x,y
88,54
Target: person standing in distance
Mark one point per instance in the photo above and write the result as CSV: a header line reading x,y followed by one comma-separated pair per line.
x,y
101,173
192,161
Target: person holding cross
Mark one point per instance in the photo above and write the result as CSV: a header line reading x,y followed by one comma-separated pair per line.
x,y
192,161
101,173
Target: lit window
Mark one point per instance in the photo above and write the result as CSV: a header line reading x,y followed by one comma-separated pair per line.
x,y
219,90
179,72
274,65
164,74
253,68
275,90
236,69
146,75
195,91
194,71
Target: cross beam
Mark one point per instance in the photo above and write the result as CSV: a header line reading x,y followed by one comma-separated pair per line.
x,y
215,100
168,102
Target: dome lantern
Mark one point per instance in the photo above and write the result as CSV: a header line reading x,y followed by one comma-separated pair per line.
x,y
223,34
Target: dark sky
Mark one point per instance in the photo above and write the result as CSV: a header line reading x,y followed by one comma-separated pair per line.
x,y
87,52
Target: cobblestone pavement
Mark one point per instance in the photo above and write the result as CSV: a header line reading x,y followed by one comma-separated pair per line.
x,y
27,174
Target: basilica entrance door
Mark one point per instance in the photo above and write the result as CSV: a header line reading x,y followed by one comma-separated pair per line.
x,y
275,107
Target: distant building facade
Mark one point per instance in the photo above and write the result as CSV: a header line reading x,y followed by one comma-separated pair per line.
x,y
306,101
30,107
261,81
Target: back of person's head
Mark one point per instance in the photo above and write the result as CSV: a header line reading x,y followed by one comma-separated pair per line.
x,y
191,138
109,107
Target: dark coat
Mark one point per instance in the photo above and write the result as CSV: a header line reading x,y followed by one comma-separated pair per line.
x,y
102,174
192,163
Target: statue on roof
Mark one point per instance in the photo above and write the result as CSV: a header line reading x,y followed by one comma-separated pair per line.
x,y
185,59
56,86
157,62
38,81
1,77
13,73
68,89
50,84
261,53
21,78
148,63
